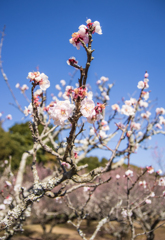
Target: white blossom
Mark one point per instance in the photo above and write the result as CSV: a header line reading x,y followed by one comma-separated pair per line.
x,y
127,110
129,173
116,107
61,111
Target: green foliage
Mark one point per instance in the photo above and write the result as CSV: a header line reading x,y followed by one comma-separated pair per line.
x,y
93,162
18,140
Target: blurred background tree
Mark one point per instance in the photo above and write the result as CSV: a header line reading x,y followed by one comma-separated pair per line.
x,y
17,141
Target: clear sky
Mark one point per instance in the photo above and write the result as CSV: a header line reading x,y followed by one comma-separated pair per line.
x,y
38,33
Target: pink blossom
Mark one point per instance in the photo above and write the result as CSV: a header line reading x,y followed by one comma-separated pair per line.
x,y
79,92
140,85
161,181
129,173
159,172
17,85
98,82
28,110
104,79
162,120
72,61
135,125
143,183
24,88
102,134
61,111
116,107
9,117
157,125
143,104
127,110
92,131
164,193
152,194
75,155
87,107
63,83
8,200
117,176
146,115
148,201
126,213
58,87
146,75
44,82
65,164
145,95
86,189
160,111
6,162
94,117
150,170
129,133
41,79
81,34
97,26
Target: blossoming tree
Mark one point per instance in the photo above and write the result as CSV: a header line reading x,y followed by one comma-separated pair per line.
x,y
70,112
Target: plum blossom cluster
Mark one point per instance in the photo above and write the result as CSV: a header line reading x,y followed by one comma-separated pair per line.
x,y
90,111
39,79
83,33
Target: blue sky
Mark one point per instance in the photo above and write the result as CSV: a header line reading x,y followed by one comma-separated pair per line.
x,y
38,33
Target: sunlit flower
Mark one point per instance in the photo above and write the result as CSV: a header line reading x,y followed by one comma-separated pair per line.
x,y
87,107
143,183
148,201
63,83
104,79
129,173
150,170
24,88
160,111
152,194
127,110
97,26
28,110
159,172
116,107
143,104
38,92
146,115
162,120
9,117
117,176
161,181
135,125
17,85
72,61
8,200
145,95
86,189
58,87
61,111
